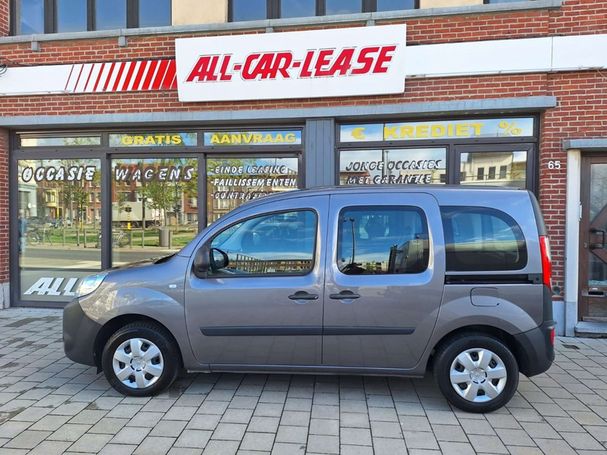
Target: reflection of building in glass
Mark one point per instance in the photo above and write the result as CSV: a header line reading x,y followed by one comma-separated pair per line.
x,y
494,168
232,182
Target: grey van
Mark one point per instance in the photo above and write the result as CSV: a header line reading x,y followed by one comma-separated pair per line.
x,y
379,281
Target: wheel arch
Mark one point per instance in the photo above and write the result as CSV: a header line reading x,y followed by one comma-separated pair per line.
x,y
111,326
479,329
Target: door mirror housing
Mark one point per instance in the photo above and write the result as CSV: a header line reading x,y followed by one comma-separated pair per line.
x,y
209,259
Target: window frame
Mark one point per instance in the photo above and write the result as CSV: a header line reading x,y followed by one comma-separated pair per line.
x,y
50,16
358,208
208,243
273,8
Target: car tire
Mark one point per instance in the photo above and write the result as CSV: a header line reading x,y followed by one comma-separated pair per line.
x,y
140,359
476,372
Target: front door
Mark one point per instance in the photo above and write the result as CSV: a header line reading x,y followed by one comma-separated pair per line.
x,y
265,306
385,278
593,247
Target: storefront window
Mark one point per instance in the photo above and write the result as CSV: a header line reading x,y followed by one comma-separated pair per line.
x,y
110,14
60,141
154,13
233,181
393,166
71,15
481,168
31,17
58,226
248,10
343,6
154,207
297,8
392,5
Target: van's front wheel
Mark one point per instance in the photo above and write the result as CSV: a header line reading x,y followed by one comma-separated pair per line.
x,y
476,373
139,360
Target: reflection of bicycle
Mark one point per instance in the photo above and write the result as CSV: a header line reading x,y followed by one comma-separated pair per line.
x,y
119,239
35,236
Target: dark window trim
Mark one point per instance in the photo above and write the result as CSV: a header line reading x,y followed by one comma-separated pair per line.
x,y
273,8
50,15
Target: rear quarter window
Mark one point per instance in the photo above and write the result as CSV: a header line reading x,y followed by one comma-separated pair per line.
x,y
482,239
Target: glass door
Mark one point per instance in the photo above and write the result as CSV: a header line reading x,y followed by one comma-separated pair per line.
x,y
593,232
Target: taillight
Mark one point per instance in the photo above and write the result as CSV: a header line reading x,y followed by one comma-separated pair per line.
x,y
546,261
552,335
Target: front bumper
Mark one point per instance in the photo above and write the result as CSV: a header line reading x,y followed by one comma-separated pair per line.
x,y
535,351
79,334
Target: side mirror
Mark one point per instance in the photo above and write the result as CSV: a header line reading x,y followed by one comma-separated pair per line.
x,y
209,259
219,259
202,262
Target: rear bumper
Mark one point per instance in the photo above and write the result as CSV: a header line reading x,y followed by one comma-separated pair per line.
x,y
79,334
535,351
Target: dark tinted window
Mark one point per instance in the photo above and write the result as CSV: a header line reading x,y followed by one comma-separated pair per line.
x,y
154,13
249,10
482,239
276,244
297,8
110,14
384,240
393,5
71,15
343,6
31,17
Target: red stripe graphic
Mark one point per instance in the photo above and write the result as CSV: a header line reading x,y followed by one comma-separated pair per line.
x,y
108,77
160,74
68,78
148,77
129,75
117,81
145,75
89,77
139,75
98,77
169,76
77,80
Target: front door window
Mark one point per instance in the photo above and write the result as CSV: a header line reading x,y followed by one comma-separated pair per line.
x,y
593,254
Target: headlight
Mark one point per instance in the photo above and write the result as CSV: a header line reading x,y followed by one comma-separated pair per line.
x,y
89,284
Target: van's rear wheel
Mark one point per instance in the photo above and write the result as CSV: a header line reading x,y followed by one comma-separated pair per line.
x,y
476,373
140,359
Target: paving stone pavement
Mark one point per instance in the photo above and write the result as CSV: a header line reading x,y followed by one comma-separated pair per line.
x,y
49,405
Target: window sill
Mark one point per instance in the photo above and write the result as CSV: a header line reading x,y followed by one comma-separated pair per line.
x,y
269,24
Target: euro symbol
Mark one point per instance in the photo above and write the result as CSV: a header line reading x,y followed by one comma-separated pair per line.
x,y
358,133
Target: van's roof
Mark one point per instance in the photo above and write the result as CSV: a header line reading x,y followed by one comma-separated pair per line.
x,y
436,190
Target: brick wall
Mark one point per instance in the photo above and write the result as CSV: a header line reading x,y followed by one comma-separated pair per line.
x,y
4,220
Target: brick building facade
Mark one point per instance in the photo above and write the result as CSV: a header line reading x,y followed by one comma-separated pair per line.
x,y
568,105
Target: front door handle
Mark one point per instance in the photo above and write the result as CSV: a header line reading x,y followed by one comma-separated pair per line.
x,y
303,295
344,295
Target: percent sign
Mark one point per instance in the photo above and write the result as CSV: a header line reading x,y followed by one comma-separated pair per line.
x,y
510,128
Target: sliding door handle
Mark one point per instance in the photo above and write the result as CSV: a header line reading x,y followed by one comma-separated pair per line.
x,y
303,295
344,295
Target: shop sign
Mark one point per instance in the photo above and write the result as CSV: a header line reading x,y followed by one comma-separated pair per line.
x,y
53,286
449,129
153,140
239,138
126,173
58,173
306,64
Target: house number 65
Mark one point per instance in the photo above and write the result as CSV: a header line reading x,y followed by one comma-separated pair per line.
x,y
554,164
